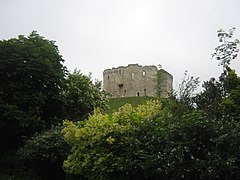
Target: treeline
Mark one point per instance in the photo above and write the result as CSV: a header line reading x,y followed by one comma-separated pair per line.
x,y
36,94
187,136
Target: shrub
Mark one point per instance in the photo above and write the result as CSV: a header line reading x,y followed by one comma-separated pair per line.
x,y
108,146
43,154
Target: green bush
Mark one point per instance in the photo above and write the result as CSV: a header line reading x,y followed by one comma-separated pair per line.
x,y
108,146
43,155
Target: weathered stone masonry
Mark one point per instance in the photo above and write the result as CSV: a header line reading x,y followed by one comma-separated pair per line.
x,y
135,80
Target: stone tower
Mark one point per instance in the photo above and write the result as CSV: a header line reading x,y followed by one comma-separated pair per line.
x,y
135,80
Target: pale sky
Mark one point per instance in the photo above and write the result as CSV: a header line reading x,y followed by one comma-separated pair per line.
x,y
93,35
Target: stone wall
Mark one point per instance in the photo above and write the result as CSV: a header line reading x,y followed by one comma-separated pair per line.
x,y
135,80
166,83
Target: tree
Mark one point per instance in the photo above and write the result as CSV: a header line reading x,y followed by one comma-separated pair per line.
x,y
220,99
231,94
228,49
209,100
187,87
113,146
182,100
82,96
32,79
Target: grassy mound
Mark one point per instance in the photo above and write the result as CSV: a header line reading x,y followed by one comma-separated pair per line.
x,y
115,103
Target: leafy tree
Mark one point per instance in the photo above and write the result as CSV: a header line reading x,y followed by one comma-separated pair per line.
x,y
220,99
182,101
189,144
228,49
108,146
187,87
231,95
197,147
31,78
209,100
82,96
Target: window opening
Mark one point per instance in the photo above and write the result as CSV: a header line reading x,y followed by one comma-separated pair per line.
x,y
132,75
124,92
120,85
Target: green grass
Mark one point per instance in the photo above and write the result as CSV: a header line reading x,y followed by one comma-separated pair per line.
x,y
115,103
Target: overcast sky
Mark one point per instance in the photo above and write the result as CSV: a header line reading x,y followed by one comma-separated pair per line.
x,y
93,35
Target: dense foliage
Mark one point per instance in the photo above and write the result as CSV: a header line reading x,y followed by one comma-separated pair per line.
x,y
37,93
82,95
105,146
220,98
43,155
31,78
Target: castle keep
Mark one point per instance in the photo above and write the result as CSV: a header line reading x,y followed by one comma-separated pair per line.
x,y
135,80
